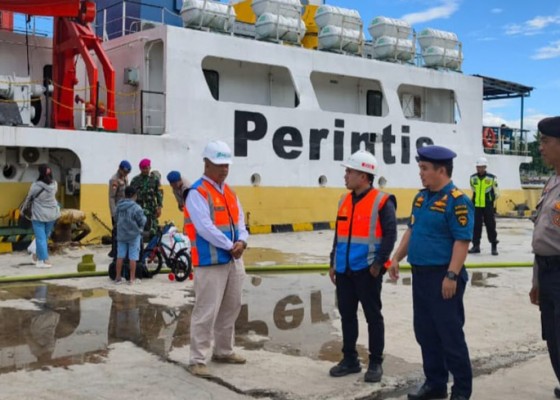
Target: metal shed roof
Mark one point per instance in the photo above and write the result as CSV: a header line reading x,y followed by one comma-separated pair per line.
x,y
495,89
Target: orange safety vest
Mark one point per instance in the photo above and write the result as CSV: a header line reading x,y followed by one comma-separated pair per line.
x,y
358,231
224,213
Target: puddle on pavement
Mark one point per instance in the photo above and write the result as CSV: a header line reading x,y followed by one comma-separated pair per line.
x,y
481,279
264,256
46,325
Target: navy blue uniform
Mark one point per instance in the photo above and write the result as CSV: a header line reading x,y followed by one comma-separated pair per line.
x,y
437,221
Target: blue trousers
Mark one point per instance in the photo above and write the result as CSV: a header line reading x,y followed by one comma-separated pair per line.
x,y
438,326
351,289
42,231
549,304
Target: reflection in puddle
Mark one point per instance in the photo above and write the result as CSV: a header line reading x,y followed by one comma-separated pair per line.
x,y
480,279
477,278
47,326
263,257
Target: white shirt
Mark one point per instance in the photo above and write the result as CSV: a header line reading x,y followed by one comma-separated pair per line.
x,y
200,216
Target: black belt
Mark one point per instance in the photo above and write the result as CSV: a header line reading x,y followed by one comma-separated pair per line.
x,y
430,268
548,261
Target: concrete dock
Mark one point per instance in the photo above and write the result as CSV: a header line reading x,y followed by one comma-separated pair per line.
x,y
85,338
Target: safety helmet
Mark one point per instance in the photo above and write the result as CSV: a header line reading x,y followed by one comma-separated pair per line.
x,y
217,152
173,176
125,166
363,161
481,162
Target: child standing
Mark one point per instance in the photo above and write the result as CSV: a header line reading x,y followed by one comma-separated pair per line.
x,y
130,221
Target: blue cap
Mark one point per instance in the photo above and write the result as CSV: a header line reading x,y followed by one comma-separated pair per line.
x,y
173,176
125,165
436,154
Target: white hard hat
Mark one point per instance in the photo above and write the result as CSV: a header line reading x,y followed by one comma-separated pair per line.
x,y
481,162
362,161
217,152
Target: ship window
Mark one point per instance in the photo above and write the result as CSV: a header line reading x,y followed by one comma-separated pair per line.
x,y
374,103
213,81
237,81
347,94
429,104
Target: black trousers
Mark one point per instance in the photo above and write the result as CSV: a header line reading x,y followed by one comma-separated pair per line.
x,y
114,238
549,304
486,215
361,287
438,326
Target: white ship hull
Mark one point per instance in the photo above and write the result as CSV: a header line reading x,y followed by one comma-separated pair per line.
x,y
287,153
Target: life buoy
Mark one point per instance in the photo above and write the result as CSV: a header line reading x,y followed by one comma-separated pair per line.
x,y
488,138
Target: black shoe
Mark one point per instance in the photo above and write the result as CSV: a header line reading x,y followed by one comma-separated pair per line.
x,y
474,250
494,249
111,254
458,397
557,392
426,392
345,367
374,373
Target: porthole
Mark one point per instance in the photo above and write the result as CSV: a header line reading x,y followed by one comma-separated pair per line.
x,y
322,181
255,179
9,171
382,182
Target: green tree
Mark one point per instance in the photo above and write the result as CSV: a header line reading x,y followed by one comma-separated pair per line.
x,y
537,167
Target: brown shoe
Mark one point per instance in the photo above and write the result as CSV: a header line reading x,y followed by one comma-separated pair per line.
x,y
199,370
230,359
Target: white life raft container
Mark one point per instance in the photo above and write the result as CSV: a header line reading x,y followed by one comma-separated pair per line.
x,y
285,8
432,37
336,38
389,47
337,16
276,27
435,56
383,26
207,14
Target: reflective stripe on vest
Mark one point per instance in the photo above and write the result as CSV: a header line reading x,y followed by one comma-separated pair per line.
x,y
483,190
224,214
358,232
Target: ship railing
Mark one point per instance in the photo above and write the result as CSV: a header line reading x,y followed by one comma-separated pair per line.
x,y
505,140
152,106
120,19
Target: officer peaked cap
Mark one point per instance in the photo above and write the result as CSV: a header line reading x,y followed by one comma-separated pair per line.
x,y
435,154
550,126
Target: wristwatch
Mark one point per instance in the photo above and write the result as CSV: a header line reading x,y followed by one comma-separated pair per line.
x,y
451,275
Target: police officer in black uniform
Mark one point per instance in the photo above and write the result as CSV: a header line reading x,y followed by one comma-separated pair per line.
x,y
436,242
546,246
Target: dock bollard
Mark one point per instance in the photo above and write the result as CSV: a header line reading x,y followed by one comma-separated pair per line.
x,y
87,264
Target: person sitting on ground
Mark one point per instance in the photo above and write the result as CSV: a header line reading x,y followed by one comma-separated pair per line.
x,y
130,221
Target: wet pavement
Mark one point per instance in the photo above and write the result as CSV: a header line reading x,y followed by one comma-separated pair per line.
x,y
86,338
288,323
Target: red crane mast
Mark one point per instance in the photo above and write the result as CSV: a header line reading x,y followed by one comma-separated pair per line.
x,y
73,36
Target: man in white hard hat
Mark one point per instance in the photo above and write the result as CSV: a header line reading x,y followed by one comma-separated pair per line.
x,y
366,231
485,192
215,225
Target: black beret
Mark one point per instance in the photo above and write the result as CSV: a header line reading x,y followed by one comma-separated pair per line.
x,y
550,126
129,191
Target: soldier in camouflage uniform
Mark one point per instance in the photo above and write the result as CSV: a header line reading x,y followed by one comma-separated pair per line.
x,y
149,196
117,183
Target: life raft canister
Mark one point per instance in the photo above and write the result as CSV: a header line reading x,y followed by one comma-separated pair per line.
x,y
488,138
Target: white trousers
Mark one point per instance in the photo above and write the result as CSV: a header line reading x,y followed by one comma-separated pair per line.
x,y
217,290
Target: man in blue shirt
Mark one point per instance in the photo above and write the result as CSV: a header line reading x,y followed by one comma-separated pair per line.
x,y
436,242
